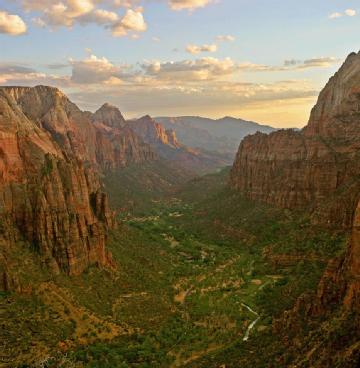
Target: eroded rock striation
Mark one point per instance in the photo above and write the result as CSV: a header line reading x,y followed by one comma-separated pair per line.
x,y
50,155
309,168
316,169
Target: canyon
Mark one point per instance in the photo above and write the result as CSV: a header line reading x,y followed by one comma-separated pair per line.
x,y
111,234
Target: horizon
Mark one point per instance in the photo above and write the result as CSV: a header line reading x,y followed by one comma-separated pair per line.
x,y
161,57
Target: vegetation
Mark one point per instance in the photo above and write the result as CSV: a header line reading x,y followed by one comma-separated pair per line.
x,y
194,268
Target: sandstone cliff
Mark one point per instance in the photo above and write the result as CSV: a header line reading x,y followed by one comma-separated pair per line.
x,y
51,198
109,115
98,139
316,169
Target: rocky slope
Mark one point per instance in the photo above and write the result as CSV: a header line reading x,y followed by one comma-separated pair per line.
x,y
47,195
166,144
50,155
308,168
316,169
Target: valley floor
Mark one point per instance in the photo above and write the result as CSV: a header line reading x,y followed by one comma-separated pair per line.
x,y
200,275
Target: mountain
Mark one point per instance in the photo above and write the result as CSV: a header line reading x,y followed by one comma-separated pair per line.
x,y
51,157
221,135
316,170
109,115
47,194
165,143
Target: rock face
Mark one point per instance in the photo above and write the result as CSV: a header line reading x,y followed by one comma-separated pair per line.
x,y
50,156
45,190
308,169
110,116
317,169
165,143
99,139
153,132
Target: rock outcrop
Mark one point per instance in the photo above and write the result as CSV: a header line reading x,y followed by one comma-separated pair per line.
x,y
312,167
316,169
109,115
50,155
47,193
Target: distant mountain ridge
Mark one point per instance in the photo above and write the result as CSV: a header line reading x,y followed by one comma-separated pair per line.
x,y
219,135
164,141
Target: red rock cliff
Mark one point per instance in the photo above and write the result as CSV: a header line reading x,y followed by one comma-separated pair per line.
x,y
317,167
98,139
45,190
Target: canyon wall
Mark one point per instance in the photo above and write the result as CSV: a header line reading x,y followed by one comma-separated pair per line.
x,y
50,157
316,170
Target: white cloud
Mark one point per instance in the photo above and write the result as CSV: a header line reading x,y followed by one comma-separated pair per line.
x,y
66,13
347,12
291,64
58,14
133,21
223,38
100,16
320,62
93,70
335,15
204,69
194,49
188,4
11,24
350,12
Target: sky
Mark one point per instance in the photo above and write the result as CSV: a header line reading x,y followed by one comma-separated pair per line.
x,y
261,60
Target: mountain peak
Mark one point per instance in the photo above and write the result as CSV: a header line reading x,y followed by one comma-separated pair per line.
x,y
109,115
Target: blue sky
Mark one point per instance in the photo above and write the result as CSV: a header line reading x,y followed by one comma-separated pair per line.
x,y
164,57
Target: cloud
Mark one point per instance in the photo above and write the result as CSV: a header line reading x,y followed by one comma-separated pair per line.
x,y
291,65
100,17
204,69
206,85
57,66
350,12
133,21
17,74
335,15
6,68
11,24
319,62
218,97
188,4
58,14
99,70
223,38
93,70
194,49
66,13
347,12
